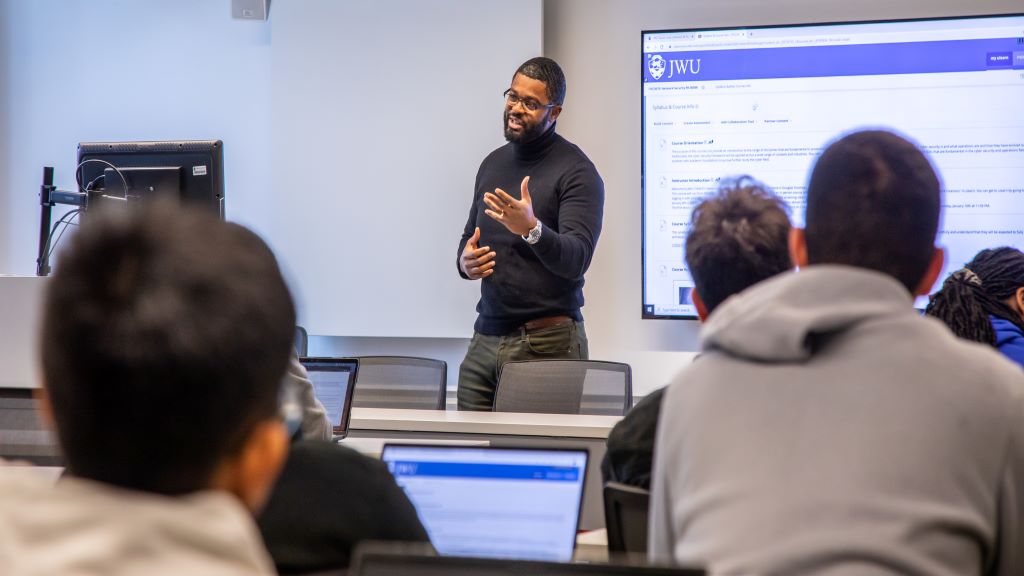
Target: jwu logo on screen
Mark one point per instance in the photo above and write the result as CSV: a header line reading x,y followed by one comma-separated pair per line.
x,y
655,65
677,67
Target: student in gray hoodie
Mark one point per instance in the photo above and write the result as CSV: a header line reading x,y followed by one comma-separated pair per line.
x,y
829,428
165,339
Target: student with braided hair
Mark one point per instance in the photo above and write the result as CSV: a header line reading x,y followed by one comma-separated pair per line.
x,y
984,301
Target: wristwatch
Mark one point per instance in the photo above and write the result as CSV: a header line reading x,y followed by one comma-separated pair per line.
x,y
534,234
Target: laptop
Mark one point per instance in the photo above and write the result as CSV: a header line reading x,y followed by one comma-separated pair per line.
x,y
333,384
414,559
494,502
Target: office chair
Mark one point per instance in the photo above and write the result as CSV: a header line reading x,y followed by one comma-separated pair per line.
x,y
625,517
22,434
401,382
565,387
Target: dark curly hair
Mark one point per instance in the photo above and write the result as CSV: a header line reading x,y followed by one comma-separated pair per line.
x,y
979,290
737,238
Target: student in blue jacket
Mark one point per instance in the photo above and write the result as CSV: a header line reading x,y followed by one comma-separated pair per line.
x,y
984,301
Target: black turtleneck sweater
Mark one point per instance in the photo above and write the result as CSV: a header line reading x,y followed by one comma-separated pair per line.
x,y
546,278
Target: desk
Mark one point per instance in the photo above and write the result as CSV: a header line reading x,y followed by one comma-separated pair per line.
x,y
499,429
487,423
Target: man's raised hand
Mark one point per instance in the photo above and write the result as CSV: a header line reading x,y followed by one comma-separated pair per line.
x,y
516,215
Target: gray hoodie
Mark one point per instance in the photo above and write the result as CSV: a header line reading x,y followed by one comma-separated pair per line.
x,y
830,429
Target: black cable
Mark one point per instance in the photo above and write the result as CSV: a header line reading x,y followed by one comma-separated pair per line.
x,y
66,219
59,236
92,183
78,174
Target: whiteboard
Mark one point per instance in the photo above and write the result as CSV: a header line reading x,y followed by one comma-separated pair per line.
x,y
381,113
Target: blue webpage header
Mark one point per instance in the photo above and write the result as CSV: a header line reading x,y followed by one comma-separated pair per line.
x,y
471,470
847,60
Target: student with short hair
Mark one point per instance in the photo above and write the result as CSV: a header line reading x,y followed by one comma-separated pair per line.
x,y
165,338
328,499
738,237
984,301
829,428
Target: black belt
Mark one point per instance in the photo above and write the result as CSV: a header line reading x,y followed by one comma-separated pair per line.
x,y
546,322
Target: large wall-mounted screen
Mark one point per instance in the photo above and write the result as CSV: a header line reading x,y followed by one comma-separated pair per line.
x,y
764,101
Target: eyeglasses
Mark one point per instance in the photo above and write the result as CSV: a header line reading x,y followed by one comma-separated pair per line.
x,y
511,98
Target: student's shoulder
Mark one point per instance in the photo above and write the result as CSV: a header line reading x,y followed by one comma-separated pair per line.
x,y
981,359
982,377
21,480
334,460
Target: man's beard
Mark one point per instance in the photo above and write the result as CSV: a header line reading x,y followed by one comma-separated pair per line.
x,y
528,133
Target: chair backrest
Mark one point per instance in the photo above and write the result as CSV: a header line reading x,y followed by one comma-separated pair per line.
x,y
625,517
22,434
401,382
301,342
564,387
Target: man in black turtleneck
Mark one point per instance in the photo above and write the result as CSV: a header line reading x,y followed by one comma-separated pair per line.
x,y
530,249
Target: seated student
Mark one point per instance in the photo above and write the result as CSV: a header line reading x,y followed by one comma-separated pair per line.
x,y
984,301
828,428
165,338
303,410
738,237
327,500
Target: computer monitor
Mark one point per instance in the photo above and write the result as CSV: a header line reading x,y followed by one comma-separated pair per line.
x,y
191,171
494,502
764,101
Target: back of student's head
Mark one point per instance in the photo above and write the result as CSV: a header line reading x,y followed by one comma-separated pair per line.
x,y
165,338
738,237
980,289
873,202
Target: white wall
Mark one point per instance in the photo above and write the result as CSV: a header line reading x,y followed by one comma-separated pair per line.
x,y
6,40
382,111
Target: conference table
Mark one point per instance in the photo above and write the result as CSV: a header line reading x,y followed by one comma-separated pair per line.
x,y
370,428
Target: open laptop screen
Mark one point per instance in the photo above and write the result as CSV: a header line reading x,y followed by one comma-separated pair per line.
x,y
494,502
333,383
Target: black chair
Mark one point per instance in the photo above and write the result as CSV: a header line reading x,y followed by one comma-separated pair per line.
x,y
625,517
401,382
564,387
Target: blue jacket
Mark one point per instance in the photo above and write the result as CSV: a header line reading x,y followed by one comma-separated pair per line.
x,y
1009,339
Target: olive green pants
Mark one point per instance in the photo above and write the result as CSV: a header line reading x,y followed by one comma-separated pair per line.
x,y
478,374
